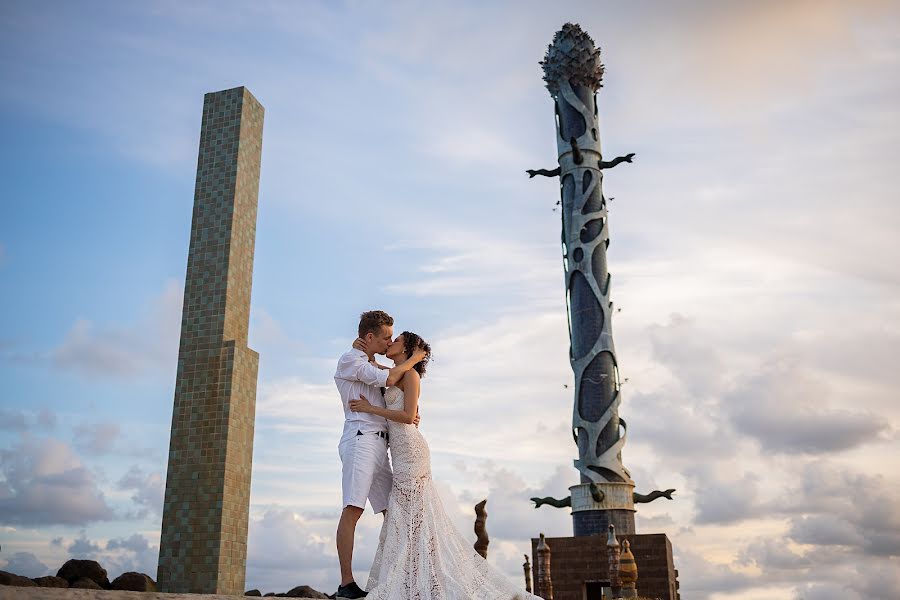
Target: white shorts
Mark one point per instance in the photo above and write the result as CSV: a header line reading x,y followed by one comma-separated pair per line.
x,y
366,471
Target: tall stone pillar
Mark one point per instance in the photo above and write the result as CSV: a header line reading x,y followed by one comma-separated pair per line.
x,y
203,545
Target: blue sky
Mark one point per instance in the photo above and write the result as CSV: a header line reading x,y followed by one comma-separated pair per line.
x,y
753,255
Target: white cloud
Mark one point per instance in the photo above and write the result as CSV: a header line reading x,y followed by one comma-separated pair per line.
x,y
26,564
45,483
96,438
120,351
148,490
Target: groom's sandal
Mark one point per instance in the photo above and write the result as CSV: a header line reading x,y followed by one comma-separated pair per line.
x,y
350,591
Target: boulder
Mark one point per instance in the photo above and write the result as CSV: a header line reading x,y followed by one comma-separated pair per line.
x,y
253,593
85,584
269,594
7,578
134,582
304,591
51,581
76,569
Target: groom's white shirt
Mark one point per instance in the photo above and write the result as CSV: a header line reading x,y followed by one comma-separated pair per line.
x,y
355,375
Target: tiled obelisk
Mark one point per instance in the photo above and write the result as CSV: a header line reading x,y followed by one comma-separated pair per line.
x,y
203,545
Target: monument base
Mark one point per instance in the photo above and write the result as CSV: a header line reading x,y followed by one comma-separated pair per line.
x,y
578,566
593,515
596,522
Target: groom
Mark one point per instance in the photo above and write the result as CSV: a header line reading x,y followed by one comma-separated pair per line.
x,y
365,471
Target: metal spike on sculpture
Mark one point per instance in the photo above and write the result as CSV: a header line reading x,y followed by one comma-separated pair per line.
x,y
573,73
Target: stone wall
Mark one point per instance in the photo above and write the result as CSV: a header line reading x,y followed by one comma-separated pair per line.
x,y
576,560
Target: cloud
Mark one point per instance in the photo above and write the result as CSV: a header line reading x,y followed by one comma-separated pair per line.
x,y
26,564
470,263
96,438
824,530
148,490
118,555
774,555
826,591
511,514
691,359
45,483
787,411
119,351
724,500
286,549
18,420
868,521
46,419
704,579
12,420
134,553
83,548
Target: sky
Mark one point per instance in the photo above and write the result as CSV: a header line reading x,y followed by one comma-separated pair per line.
x,y
753,255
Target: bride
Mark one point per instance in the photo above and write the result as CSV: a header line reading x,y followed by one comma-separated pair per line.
x,y
421,554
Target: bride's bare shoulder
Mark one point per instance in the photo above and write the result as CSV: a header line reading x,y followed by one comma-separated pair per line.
x,y
409,377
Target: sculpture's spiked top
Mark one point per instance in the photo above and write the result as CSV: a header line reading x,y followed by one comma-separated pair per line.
x,y
572,56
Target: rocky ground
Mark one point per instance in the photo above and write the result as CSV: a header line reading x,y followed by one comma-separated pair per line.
x,y
86,579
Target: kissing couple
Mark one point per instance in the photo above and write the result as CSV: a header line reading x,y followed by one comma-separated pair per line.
x,y
420,552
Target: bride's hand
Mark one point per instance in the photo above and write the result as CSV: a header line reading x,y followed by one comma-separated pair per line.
x,y
360,344
362,405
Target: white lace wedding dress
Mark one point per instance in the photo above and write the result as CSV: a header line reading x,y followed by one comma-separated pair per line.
x,y
421,555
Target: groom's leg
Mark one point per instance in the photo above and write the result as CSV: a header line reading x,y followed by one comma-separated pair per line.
x,y
359,459
345,532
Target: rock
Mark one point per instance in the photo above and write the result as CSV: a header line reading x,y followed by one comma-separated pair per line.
x,y
7,578
86,584
134,582
304,591
269,594
75,569
51,581
252,593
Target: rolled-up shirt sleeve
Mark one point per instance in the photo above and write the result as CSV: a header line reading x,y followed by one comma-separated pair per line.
x,y
362,370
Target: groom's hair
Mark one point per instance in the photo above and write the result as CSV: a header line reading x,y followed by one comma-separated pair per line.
x,y
371,322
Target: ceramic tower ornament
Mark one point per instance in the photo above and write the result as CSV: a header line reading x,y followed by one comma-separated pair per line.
x,y
573,73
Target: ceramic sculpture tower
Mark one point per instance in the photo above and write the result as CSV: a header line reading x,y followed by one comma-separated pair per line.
x,y
573,74
203,545
604,500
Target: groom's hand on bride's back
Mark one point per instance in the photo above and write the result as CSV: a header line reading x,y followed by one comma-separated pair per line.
x,y
361,404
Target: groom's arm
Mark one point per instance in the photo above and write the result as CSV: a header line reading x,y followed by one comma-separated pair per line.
x,y
410,412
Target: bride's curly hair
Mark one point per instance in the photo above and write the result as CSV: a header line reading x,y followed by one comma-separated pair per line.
x,y
412,341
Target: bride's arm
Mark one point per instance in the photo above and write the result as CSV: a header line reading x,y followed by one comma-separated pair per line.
x,y
410,387
396,372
